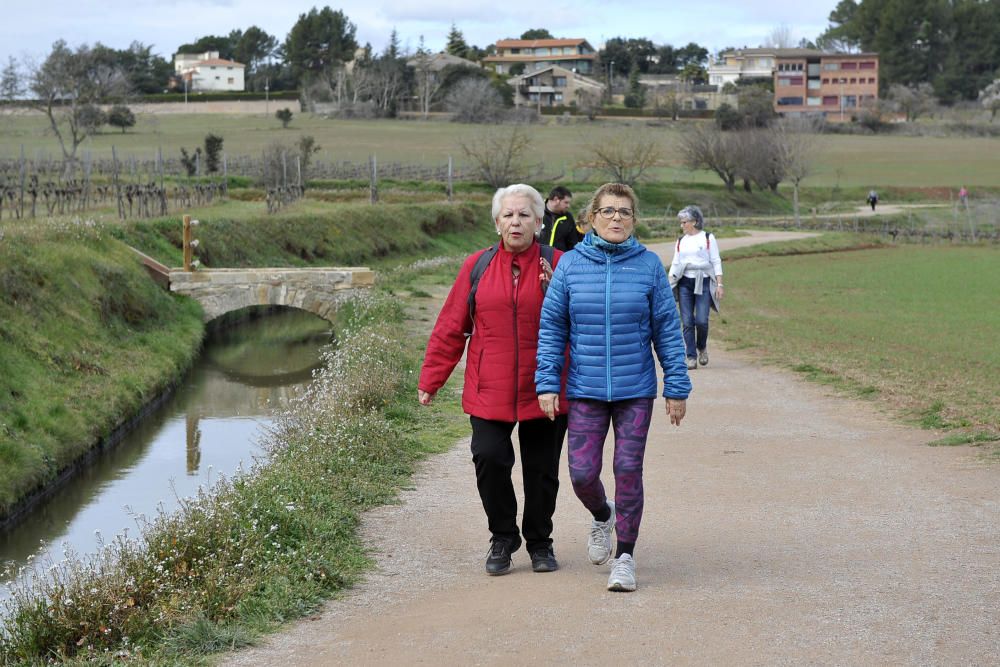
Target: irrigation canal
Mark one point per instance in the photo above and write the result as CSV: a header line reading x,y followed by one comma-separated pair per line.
x,y
250,368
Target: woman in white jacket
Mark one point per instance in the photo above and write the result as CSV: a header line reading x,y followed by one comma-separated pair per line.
x,y
696,262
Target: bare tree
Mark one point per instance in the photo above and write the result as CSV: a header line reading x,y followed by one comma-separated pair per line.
x,y
989,97
627,155
914,100
588,102
67,88
427,79
707,147
475,101
798,147
780,37
498,154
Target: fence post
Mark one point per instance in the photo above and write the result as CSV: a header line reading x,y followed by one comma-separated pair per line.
x,y
373,179
451,191
187,243
20,204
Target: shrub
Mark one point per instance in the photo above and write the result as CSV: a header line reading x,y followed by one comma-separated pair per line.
x,y
213,152
284,115
121,116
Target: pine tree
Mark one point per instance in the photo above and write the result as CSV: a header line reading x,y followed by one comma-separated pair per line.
x,y
456,43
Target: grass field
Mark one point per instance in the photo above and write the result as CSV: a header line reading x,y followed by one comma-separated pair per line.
x,y
842,160
913,328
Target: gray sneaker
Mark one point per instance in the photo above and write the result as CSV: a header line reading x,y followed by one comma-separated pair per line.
x,y
692,363
703,357
622,577
599,541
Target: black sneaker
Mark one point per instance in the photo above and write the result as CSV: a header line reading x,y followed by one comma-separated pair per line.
x,y
543,559
498,559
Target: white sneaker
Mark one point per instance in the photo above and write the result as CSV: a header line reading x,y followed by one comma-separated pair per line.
x,y
703,357
599,541
692,363
622,577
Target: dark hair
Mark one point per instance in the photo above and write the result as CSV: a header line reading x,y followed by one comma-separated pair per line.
x,y
559,192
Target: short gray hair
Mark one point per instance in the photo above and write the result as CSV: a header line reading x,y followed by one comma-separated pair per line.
x,y
692,213
537,204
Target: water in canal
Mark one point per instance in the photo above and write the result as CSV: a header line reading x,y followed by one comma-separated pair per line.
x,y
250,367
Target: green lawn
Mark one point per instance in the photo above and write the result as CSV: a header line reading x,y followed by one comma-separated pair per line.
x,y
914,328
848,161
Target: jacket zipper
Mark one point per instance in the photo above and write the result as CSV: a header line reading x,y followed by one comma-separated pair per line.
x,y
517,368
607,329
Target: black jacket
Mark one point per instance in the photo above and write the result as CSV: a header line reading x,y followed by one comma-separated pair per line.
x,y
559,230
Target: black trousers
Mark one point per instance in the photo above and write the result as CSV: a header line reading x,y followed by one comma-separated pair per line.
x,y
493,456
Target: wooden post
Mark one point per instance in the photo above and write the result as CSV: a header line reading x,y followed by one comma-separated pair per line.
x,y
187,243
450,188
373,180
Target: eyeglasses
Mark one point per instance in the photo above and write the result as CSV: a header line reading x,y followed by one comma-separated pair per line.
x,y
608,212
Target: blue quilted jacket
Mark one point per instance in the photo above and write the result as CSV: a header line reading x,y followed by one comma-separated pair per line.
x,y
613,303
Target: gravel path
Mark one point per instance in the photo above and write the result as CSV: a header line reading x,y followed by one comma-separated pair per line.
x,y
782,525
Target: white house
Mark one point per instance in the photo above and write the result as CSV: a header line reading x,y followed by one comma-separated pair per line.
x,y
208,72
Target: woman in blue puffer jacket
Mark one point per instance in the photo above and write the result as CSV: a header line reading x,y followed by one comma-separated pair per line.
x,y
610,300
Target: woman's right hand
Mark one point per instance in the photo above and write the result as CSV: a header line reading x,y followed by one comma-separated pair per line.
x,y
424,397
549,403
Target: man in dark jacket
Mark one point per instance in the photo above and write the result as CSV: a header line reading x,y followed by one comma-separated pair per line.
x,y
558,227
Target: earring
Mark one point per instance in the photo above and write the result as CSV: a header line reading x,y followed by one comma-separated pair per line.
x,y
498,231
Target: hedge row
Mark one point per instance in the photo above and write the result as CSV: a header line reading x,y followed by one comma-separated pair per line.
x,y
621,111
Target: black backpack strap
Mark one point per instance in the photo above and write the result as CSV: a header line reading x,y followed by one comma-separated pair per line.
x,y
548,252
477,272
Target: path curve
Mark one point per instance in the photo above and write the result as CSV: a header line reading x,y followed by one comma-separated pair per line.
x,y
782,525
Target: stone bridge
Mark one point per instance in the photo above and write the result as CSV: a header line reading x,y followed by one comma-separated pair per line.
x,y
317,290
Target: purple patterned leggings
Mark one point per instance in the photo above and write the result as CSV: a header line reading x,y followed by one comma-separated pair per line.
x,y
588,427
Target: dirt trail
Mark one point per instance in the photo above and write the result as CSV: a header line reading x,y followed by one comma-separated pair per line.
x,y
782,525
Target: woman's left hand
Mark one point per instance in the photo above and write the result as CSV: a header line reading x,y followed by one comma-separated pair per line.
x,y
549,403
718,293
676,409
545,276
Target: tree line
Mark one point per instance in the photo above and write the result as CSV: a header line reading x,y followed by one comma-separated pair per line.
x,y
952,45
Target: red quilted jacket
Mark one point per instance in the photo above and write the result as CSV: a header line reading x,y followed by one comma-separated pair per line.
x,y
500,364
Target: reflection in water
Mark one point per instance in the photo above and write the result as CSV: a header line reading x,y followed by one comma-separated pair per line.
x,y
248,370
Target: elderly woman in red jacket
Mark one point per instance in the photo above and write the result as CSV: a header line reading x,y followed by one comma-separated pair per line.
x,y
499,391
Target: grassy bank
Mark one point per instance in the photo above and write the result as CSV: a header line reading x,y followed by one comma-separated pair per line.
x,y
260,548
912,328
87,338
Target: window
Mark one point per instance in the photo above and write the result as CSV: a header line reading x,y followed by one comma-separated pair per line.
x,y
853,80
871,80
814,84
558,97
790,81
789,101
813,101
867,65
541,52
559,82
850,101
569,50
826,80
515,52
830,100
230,80
533,97
848,65
831,66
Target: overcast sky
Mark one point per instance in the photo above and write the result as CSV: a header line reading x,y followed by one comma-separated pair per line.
x,y
30,28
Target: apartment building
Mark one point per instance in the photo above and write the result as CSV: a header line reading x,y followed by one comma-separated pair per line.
x,y
552,86
731,66
835,85
576,55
